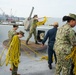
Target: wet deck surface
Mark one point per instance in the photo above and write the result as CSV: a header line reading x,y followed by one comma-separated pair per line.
x,y
29,65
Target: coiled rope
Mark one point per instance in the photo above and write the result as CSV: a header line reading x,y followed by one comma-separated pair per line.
x,y
11,52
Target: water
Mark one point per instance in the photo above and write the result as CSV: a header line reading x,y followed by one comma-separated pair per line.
x,y
5,28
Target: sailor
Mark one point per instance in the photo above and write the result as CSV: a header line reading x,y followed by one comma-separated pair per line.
x,y
51,36
65,40
33,28
12,31
13,53
73,67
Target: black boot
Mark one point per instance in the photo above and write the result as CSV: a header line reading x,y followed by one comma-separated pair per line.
x,y
36,42
50,66
72,67
26,42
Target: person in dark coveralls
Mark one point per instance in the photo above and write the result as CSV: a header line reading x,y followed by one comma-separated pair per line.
x,y
51,36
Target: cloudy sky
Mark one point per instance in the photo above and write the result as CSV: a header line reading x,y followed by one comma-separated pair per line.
x,y
49,8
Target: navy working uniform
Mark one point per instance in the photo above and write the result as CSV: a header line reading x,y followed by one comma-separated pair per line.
x,y
65,40
33,28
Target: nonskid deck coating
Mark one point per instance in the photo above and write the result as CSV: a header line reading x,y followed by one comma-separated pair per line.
x,y
29,66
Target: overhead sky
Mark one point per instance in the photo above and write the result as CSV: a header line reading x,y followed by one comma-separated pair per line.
x,y
49,8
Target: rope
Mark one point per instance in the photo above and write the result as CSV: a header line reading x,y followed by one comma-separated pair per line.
x,y
2,63
34,51
31,49
73,56
42,58
13,54
28,55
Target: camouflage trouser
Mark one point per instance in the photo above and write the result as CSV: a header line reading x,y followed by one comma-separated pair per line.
x,y
63,65
14,71
30,35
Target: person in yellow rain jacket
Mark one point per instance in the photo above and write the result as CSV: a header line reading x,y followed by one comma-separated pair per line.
x,y
13,53
33,28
